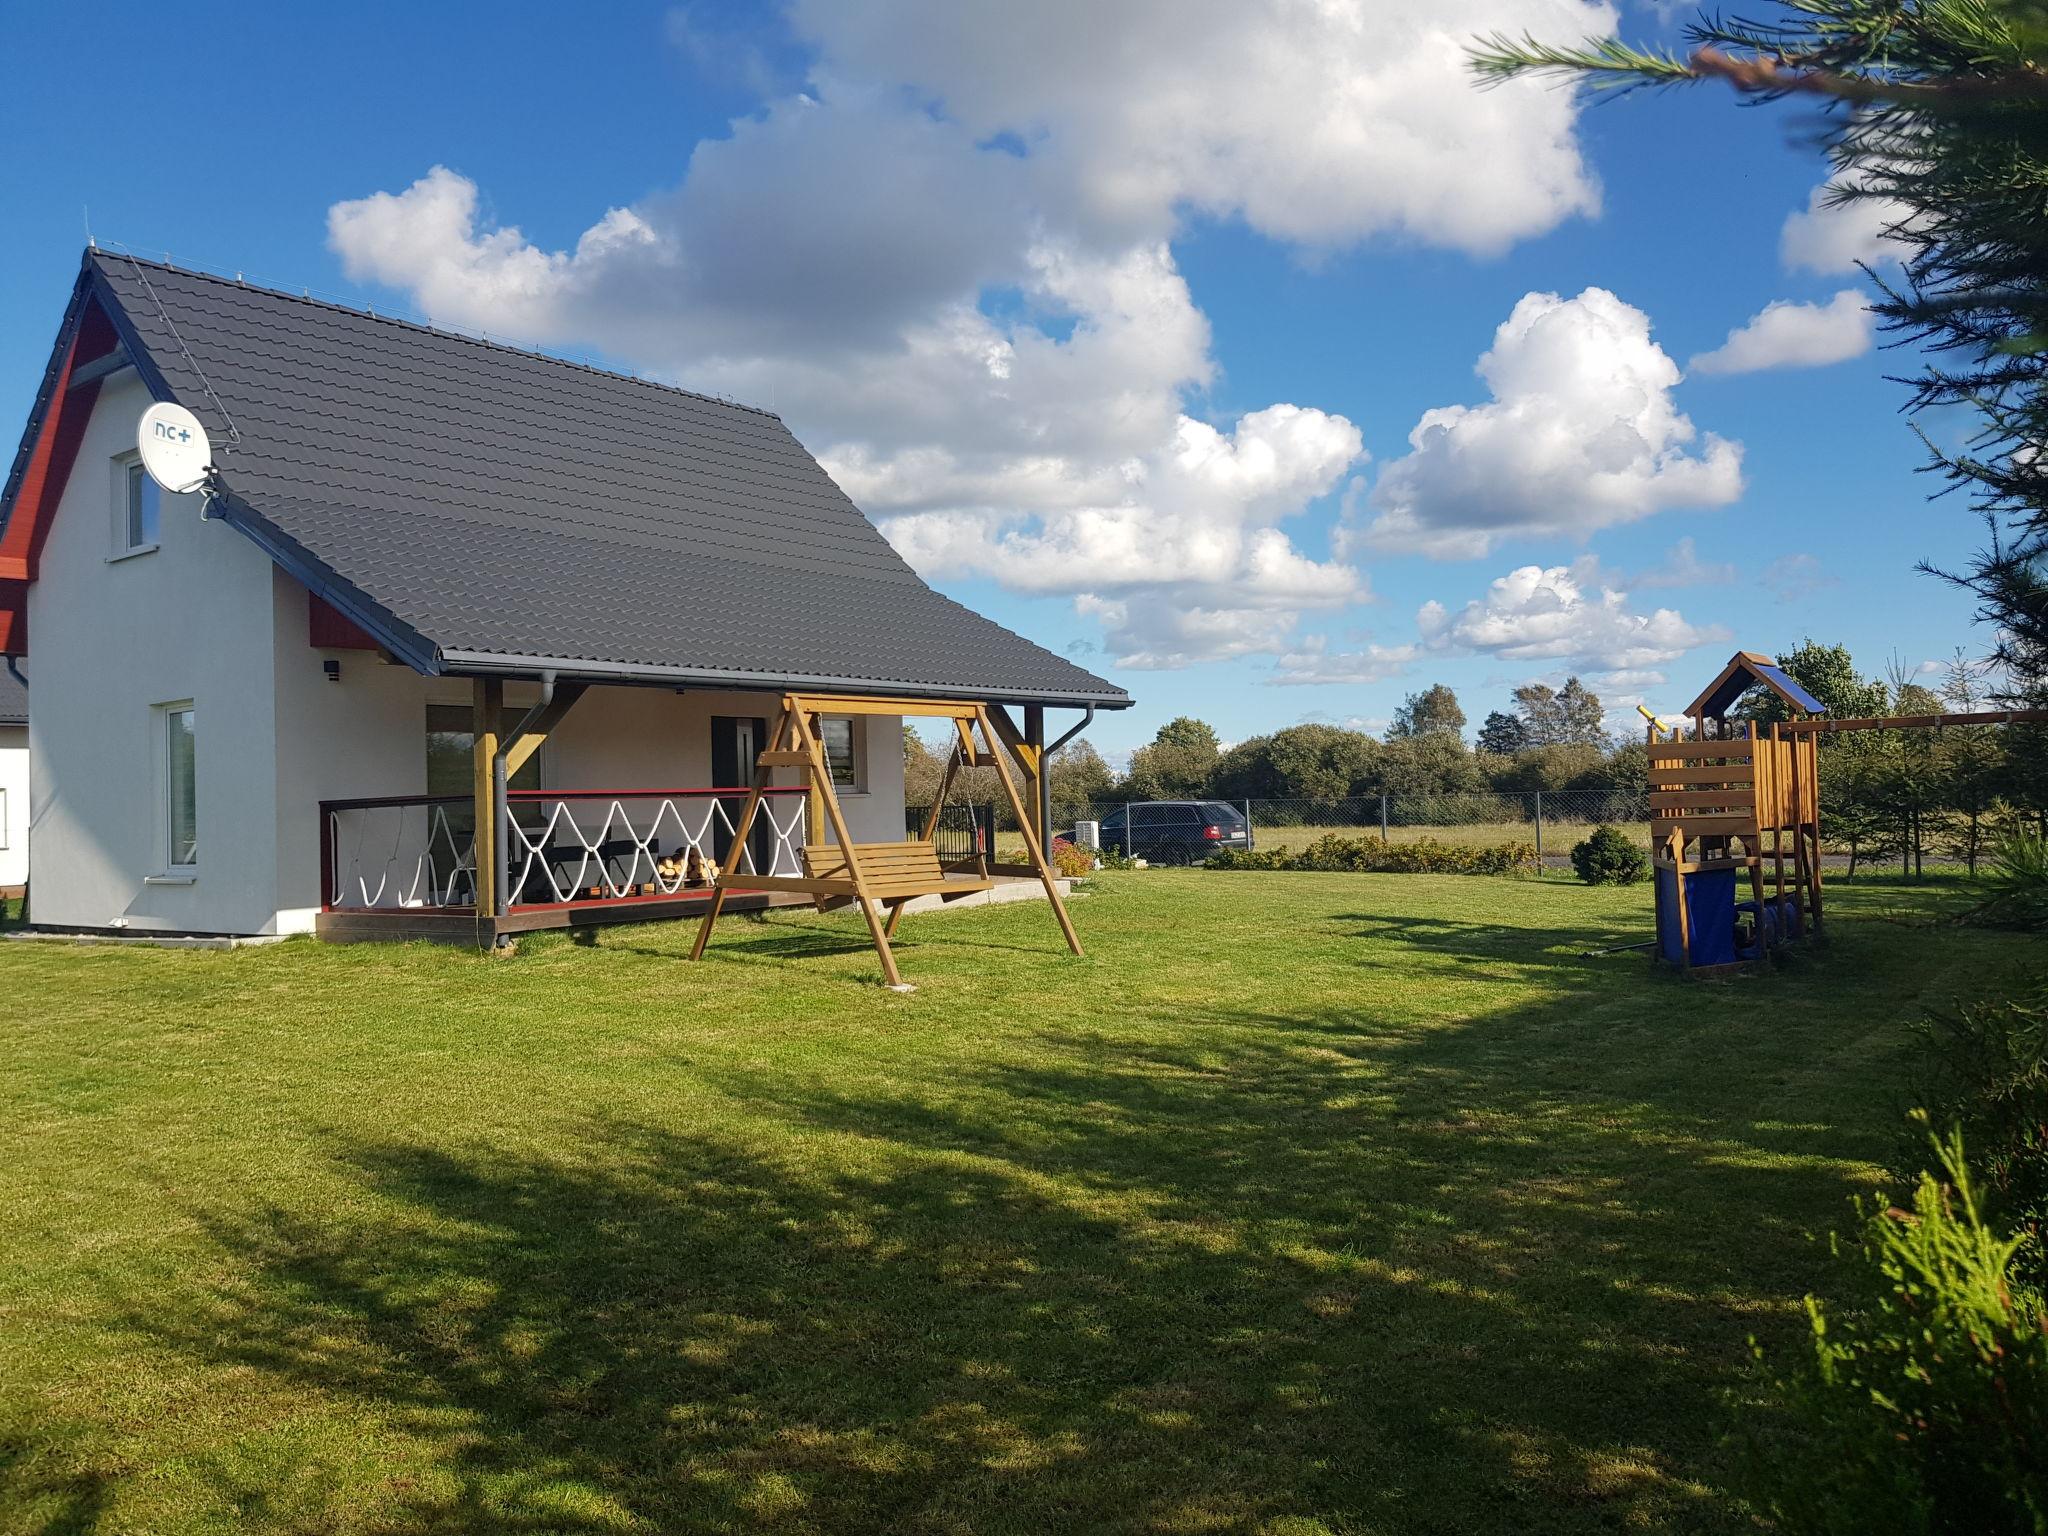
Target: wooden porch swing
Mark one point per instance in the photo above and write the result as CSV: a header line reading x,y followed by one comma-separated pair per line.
x,y
877,875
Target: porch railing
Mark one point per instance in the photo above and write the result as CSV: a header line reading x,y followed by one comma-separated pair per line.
x,y
398,851
566,846
610,845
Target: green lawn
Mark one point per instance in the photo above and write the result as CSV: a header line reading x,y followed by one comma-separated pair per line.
x,y
1305,1203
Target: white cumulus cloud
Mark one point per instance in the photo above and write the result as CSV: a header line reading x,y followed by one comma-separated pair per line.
x,y
1317,123
1534,613
1582,432
1314,662
946,259
1832,237
1784,334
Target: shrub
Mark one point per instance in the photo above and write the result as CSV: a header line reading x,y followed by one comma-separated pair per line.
x,y
1926,1410
1989,1078
1069,859
1368,855
2019,882
1609,858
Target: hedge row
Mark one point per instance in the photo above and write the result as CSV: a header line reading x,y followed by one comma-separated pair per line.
x,y
1369,855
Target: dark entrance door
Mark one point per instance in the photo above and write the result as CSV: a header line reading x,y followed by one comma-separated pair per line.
x,y
736,741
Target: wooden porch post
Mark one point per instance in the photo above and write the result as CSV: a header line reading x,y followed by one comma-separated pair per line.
x,y
487,709
1029,757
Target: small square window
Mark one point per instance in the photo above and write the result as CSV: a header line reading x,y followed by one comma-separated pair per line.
x,y
138,506
842,754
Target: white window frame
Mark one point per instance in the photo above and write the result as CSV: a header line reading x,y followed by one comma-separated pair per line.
x,y
125,466
171,872
857,741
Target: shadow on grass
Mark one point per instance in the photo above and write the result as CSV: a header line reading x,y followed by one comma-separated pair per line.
x,y
1496,1277
39,1483
788,942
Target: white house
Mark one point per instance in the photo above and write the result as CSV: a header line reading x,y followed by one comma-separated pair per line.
x,y
13,784
278,705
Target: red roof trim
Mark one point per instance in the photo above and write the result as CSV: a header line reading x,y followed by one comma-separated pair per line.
x,y
329,629
58,436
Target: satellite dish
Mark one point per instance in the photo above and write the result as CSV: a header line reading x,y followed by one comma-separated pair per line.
x,y
174,448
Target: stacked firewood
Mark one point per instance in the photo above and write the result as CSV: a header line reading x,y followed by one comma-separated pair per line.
x,y
686,866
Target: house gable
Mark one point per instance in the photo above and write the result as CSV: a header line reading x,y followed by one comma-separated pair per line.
x,y
98,338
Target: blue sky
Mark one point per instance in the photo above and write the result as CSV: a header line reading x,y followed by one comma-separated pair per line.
x,y
888,199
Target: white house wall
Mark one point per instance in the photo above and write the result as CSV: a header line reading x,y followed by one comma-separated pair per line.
x,y
14,804
110,641
363,734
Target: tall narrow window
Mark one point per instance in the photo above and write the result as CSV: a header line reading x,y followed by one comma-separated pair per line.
x,y
138,506
181,793
843,754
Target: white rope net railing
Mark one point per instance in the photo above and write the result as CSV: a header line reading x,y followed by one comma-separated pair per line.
x,y
597,847
407,854
421,853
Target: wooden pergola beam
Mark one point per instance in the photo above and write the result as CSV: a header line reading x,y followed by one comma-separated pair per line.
x,y
930,709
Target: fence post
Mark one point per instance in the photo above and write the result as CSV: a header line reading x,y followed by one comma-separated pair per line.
x,y
1249,840
1129,849
1383,816
1539,831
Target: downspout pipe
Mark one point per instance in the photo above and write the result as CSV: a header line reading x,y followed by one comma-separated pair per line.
x,y
1086,721
14,671
501,809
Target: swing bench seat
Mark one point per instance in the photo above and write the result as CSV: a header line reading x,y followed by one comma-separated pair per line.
x,y
893,873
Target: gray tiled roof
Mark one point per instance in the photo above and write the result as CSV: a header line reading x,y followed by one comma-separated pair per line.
x,y
13,701
497,504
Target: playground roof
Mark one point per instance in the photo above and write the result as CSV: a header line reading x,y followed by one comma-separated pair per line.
x,y
1747,670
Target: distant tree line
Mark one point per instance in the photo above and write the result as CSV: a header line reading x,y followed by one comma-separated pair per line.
x,y
1889,797
1554,739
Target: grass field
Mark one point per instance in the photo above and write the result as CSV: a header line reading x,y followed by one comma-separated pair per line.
x,y
1304,1204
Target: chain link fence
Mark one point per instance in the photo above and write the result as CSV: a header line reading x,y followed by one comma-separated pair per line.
x,y
1553,819
1855,835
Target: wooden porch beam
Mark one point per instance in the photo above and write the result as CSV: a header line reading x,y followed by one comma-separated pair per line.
x,y
522,748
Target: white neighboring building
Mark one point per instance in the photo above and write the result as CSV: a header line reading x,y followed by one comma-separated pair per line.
x,y
13,783
258,709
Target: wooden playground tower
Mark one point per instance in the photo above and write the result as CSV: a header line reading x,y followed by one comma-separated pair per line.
x,y
1724,802
876,876
1725,799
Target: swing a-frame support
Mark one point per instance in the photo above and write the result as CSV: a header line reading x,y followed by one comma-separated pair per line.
x,y
879,878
